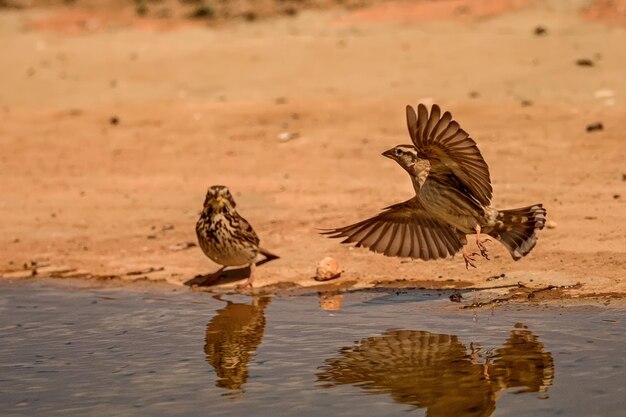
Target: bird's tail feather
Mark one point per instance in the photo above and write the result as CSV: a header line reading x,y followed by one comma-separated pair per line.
x,y
515,229
269,256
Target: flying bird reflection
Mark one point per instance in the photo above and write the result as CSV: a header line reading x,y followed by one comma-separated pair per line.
x,y
437,372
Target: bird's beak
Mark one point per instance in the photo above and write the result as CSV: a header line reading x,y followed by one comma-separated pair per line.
x,y
389,153
218,202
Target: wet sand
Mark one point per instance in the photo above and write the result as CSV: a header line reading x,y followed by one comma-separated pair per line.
x,y
111,137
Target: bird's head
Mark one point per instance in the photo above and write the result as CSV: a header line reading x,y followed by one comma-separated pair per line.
x,y
218,197
404,155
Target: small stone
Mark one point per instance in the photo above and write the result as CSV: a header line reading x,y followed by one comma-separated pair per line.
x,y
551,224
540,31
593,127
327,269
456,297
616,196
526,103
114,120
496,277
287,136
250,16
584,62
182,246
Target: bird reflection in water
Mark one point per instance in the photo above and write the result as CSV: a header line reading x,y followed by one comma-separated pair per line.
x,y
232,338
436,371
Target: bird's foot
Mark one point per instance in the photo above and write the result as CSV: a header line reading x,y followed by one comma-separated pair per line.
x,y
245,286
483,249
469,259
248,284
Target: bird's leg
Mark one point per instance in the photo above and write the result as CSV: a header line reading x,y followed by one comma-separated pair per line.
x,y
480,242
469,258
211,278
250,280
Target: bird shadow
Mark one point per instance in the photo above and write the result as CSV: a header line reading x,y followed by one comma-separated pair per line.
x,y
225,277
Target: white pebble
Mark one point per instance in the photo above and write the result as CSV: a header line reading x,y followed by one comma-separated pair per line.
x,y
286,136
327,269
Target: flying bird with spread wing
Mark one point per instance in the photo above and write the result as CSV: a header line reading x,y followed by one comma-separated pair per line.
x,y
452,199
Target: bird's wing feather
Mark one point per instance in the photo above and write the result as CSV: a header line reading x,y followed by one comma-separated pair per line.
x,y
438,137
404,230
246,232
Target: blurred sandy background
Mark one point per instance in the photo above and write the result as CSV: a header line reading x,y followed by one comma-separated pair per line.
x,y
117,115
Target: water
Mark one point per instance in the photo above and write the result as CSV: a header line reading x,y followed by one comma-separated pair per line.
x,y
77,352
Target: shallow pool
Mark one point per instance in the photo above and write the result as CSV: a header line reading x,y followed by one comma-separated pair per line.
x,y
77,352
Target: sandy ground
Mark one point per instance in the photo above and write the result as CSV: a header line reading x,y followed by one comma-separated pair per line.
x,y
109,139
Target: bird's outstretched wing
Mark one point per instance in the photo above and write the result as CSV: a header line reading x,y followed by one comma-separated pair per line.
x,y
404,230
439,138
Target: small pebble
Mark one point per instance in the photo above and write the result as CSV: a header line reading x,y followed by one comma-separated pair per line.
x,y
287,136
593,127
456,297
327,269
182,246
540,31
114,120
551,224
584,62
496,277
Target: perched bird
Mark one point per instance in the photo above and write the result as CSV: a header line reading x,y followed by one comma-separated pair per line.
x,y
225,236
452,198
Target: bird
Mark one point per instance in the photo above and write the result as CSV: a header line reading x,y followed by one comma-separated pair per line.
x,y
452,199
226,237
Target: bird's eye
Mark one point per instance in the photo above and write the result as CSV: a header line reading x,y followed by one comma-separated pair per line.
x,y
398,152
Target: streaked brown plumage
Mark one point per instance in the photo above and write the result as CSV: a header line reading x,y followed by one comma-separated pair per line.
x,y
225,236
453,195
